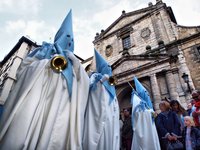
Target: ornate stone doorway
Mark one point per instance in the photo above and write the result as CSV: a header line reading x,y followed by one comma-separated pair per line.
x,y
124,93
124,96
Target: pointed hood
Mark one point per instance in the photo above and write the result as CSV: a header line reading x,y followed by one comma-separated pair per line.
x,y
103,68
143,93
101,65
63,41
64,38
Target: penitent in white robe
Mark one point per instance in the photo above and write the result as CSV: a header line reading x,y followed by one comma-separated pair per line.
x,y
145,135
39,113
101,131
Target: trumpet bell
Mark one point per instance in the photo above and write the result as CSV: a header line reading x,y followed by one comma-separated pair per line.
x,y
112,80
58,63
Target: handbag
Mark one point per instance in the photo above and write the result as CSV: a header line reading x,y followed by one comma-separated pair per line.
x,y
175,145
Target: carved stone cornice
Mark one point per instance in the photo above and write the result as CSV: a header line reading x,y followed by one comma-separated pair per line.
x,y
141,68
124,31
157,57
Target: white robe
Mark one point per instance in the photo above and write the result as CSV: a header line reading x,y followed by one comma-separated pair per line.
x,y
101,131
145,135
39,113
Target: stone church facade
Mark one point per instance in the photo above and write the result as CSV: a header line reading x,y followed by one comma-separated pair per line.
x,y
146,43
149,44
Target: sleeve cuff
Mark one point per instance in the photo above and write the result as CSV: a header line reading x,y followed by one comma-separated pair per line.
x,y
166,135
174,134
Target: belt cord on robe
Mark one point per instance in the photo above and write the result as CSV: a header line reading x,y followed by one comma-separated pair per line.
x,y
110,90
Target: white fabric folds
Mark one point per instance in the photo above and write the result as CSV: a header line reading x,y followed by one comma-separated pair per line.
x,y
101,131
144,130
39,114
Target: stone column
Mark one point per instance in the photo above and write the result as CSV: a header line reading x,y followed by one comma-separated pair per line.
x,y
155,91
183,68
171,84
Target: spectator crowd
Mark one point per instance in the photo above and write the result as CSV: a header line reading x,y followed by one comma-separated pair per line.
x,y
177,128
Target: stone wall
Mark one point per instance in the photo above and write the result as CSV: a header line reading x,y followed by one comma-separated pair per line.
x,y
162,76
149,30
192,58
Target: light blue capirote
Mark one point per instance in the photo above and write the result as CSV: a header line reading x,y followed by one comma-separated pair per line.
x,y
64,37
143,125
138,104
103,68
63,43
101,128
143,93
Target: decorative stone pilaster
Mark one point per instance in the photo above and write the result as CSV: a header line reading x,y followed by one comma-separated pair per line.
x,y
183,68
171,84
155,91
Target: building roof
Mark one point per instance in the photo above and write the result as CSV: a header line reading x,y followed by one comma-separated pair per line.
x,y
144,12
16,47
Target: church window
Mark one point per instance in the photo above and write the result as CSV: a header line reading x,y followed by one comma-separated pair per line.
x,y
198,50
109,50
126,41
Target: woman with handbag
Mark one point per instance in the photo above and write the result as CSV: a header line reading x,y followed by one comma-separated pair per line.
x,y
168,126
191,135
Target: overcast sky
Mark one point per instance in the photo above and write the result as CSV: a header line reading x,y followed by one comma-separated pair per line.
x,y
40,19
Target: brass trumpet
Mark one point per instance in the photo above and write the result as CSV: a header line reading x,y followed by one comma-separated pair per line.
x,y
58,63
112,80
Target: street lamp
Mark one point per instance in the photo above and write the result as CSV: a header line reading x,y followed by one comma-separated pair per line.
x,y
186,79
